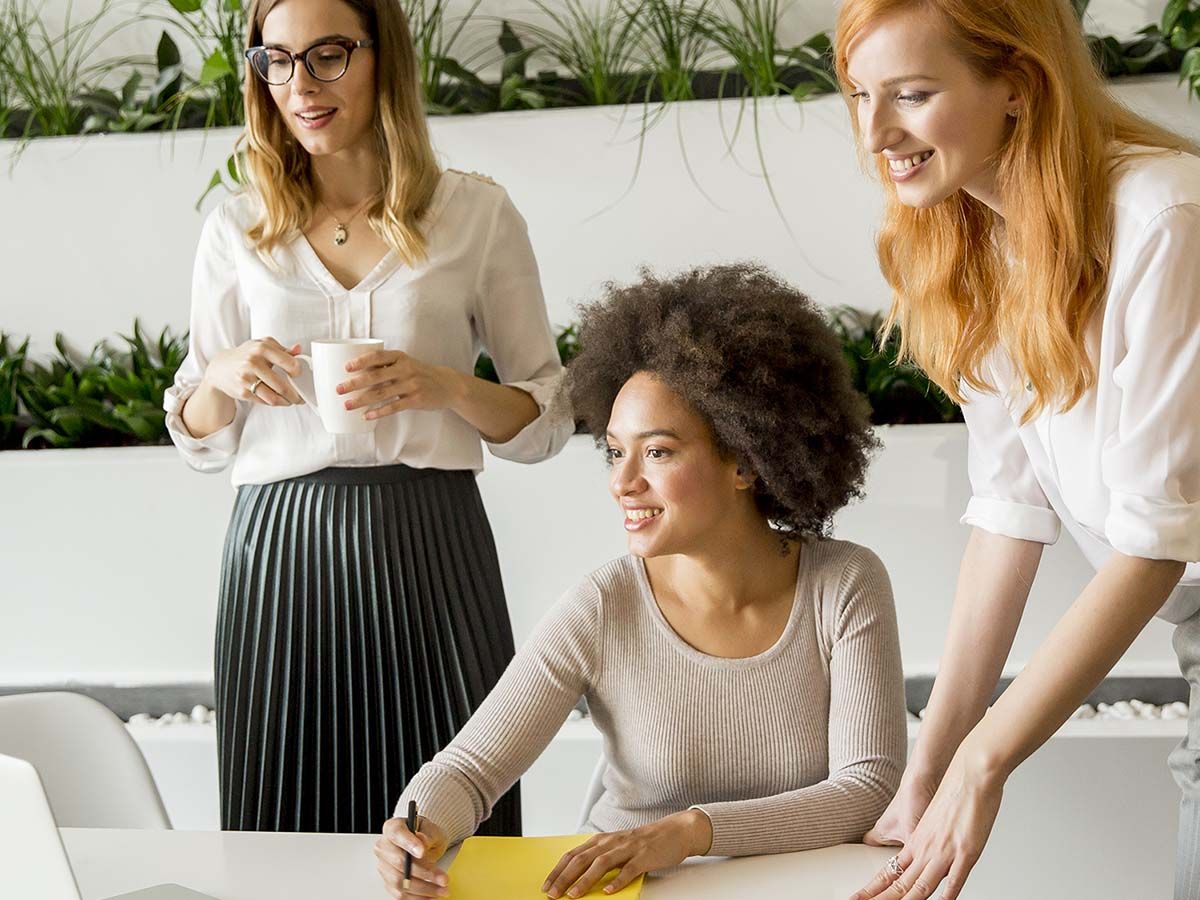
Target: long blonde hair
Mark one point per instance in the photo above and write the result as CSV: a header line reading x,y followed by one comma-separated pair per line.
x,y
279,172
955,294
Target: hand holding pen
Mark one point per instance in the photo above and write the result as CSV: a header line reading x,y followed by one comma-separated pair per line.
x,y
418,848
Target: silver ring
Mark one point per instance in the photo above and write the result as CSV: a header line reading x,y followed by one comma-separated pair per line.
x,y
893,866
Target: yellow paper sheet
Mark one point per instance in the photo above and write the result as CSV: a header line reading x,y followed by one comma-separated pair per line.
x,y
504,868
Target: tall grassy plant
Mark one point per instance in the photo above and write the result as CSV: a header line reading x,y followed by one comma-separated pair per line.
x,y
43,72
435,38
673,43
749,41
596,46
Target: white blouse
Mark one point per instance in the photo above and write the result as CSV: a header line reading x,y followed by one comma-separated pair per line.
x,y
478,289
1122,468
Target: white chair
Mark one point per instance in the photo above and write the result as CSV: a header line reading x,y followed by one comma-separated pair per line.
x,y
93,771
594,790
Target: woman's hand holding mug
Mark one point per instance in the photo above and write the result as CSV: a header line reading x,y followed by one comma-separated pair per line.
x,y
398,382
246,372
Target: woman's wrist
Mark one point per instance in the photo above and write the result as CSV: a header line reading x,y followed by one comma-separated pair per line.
x,y
699,831
984,758
457,386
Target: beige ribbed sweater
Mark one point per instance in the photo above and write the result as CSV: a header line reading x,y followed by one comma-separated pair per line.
x,y
799,747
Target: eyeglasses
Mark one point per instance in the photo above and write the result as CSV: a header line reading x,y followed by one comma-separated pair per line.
x,y
326,61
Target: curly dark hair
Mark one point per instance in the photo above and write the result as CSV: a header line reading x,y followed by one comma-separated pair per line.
x,y
757,360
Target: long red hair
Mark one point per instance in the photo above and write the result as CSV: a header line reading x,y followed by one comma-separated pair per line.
x,y
965,281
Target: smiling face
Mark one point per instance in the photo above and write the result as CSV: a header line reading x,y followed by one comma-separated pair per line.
x,y
676,492
324,117
920,105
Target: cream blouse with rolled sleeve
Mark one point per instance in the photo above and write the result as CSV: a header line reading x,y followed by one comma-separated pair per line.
x,y
1121,470
478,289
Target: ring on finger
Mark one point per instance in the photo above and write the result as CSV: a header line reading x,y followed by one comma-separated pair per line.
x,y
257,384
893,866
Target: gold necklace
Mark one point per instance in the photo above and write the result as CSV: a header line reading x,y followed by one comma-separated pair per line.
x,y
341,233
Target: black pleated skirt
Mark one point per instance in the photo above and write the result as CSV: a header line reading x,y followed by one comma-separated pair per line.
x,y
361,621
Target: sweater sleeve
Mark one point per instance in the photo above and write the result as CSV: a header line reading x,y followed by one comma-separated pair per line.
x,y
867,733
458,787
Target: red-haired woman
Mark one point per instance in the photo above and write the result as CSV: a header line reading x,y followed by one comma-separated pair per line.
x,y
1043,246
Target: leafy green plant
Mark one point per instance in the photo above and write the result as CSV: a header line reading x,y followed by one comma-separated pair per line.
x,y
127,111
12,371
595,46
567,341
1181,30
463,91
112,398
43,73
216,29
898,391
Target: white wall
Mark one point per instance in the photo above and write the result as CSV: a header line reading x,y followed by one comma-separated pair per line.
x,y
96,231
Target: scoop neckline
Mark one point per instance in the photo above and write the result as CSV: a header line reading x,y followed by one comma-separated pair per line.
x,y
699,656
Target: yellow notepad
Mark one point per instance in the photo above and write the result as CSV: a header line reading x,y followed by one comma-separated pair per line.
x,y
490,868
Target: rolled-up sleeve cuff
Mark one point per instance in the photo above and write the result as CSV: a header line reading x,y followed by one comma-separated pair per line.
x,y
209,453
1153,528
548,433
1014,520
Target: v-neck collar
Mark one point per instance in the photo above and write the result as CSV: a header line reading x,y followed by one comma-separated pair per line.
x,y
387,264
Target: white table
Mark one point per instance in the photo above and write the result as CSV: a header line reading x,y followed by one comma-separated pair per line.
x,y
254,866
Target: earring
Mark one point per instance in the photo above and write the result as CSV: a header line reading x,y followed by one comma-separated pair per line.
x,y
1012,113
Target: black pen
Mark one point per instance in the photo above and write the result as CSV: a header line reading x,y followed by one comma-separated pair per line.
x,y
412,829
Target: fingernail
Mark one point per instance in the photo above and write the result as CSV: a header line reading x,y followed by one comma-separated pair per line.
x,y
349,404
341,389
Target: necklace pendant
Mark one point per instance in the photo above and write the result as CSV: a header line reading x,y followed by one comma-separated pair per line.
x,y
340,235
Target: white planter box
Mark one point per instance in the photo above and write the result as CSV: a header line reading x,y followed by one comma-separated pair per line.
x,y
112,556
125,246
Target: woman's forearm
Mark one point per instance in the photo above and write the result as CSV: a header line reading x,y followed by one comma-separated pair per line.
x,y
497,411
1083,647
207,410
994,579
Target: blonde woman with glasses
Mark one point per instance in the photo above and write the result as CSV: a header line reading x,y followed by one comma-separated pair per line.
x,y
1043,246
362,617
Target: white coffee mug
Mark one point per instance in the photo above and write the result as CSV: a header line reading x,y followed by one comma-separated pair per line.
x,y
328,370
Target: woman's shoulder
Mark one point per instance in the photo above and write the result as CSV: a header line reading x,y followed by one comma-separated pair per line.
x,y
473,194
843,568
1148,181
616,581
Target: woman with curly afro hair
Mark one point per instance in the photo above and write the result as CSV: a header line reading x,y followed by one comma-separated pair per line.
x,y
742,666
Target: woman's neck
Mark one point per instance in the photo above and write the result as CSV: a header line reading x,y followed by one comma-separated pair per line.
x,y
730,574
345,179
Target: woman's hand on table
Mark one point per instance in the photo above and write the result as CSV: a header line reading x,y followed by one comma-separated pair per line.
x,y
391,381
246,372
427,846
895,826
659,845
950,836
